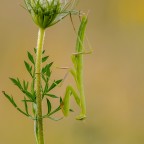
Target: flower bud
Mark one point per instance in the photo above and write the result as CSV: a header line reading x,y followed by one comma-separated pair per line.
x,y
46,13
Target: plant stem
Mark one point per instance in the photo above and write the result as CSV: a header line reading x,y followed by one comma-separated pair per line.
x,y
39,120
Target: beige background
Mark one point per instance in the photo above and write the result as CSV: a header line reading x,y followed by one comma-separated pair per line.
x,y
114,73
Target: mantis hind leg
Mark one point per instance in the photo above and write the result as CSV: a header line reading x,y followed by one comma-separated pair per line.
x,y
65,106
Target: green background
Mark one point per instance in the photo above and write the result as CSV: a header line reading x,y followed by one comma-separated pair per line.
x,y
114,73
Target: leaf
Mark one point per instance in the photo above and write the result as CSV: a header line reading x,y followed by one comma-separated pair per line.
x,y
25,91
35,50
46,69
29,95
46,88
51,95
10,98
26,106
43,77
30,57
43,52
48,106
48,72
13,103
22,112
16,82
55,83
27,100
44,58
61,101
28,67
25,84
56,110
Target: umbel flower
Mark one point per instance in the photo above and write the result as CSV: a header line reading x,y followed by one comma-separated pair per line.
x,y
46,13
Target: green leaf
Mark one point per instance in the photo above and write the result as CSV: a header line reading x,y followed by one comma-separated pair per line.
x,y
13,103
10,98
56,110
29,95
35,50
55,83
27,100
28,67
25,85
51,95
48,106
16,82
26,106
46,88
22,112
30,57
43,52
44,58
43,77
61,101
46,69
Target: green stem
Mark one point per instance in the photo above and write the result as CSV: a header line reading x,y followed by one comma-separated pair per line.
x,y
39,121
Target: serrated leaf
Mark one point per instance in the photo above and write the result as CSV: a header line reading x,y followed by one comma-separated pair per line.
x,y
48,106
30,57
28,67
55,83
51,95
44,58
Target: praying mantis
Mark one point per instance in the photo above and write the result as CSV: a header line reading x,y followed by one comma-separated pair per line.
x,y
77,73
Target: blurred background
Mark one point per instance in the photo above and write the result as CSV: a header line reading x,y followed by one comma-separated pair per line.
x,y
114,73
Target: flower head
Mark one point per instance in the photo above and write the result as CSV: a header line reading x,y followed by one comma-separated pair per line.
x,y
46,13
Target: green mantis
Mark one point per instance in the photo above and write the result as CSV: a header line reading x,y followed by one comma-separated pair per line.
x,y
77,73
